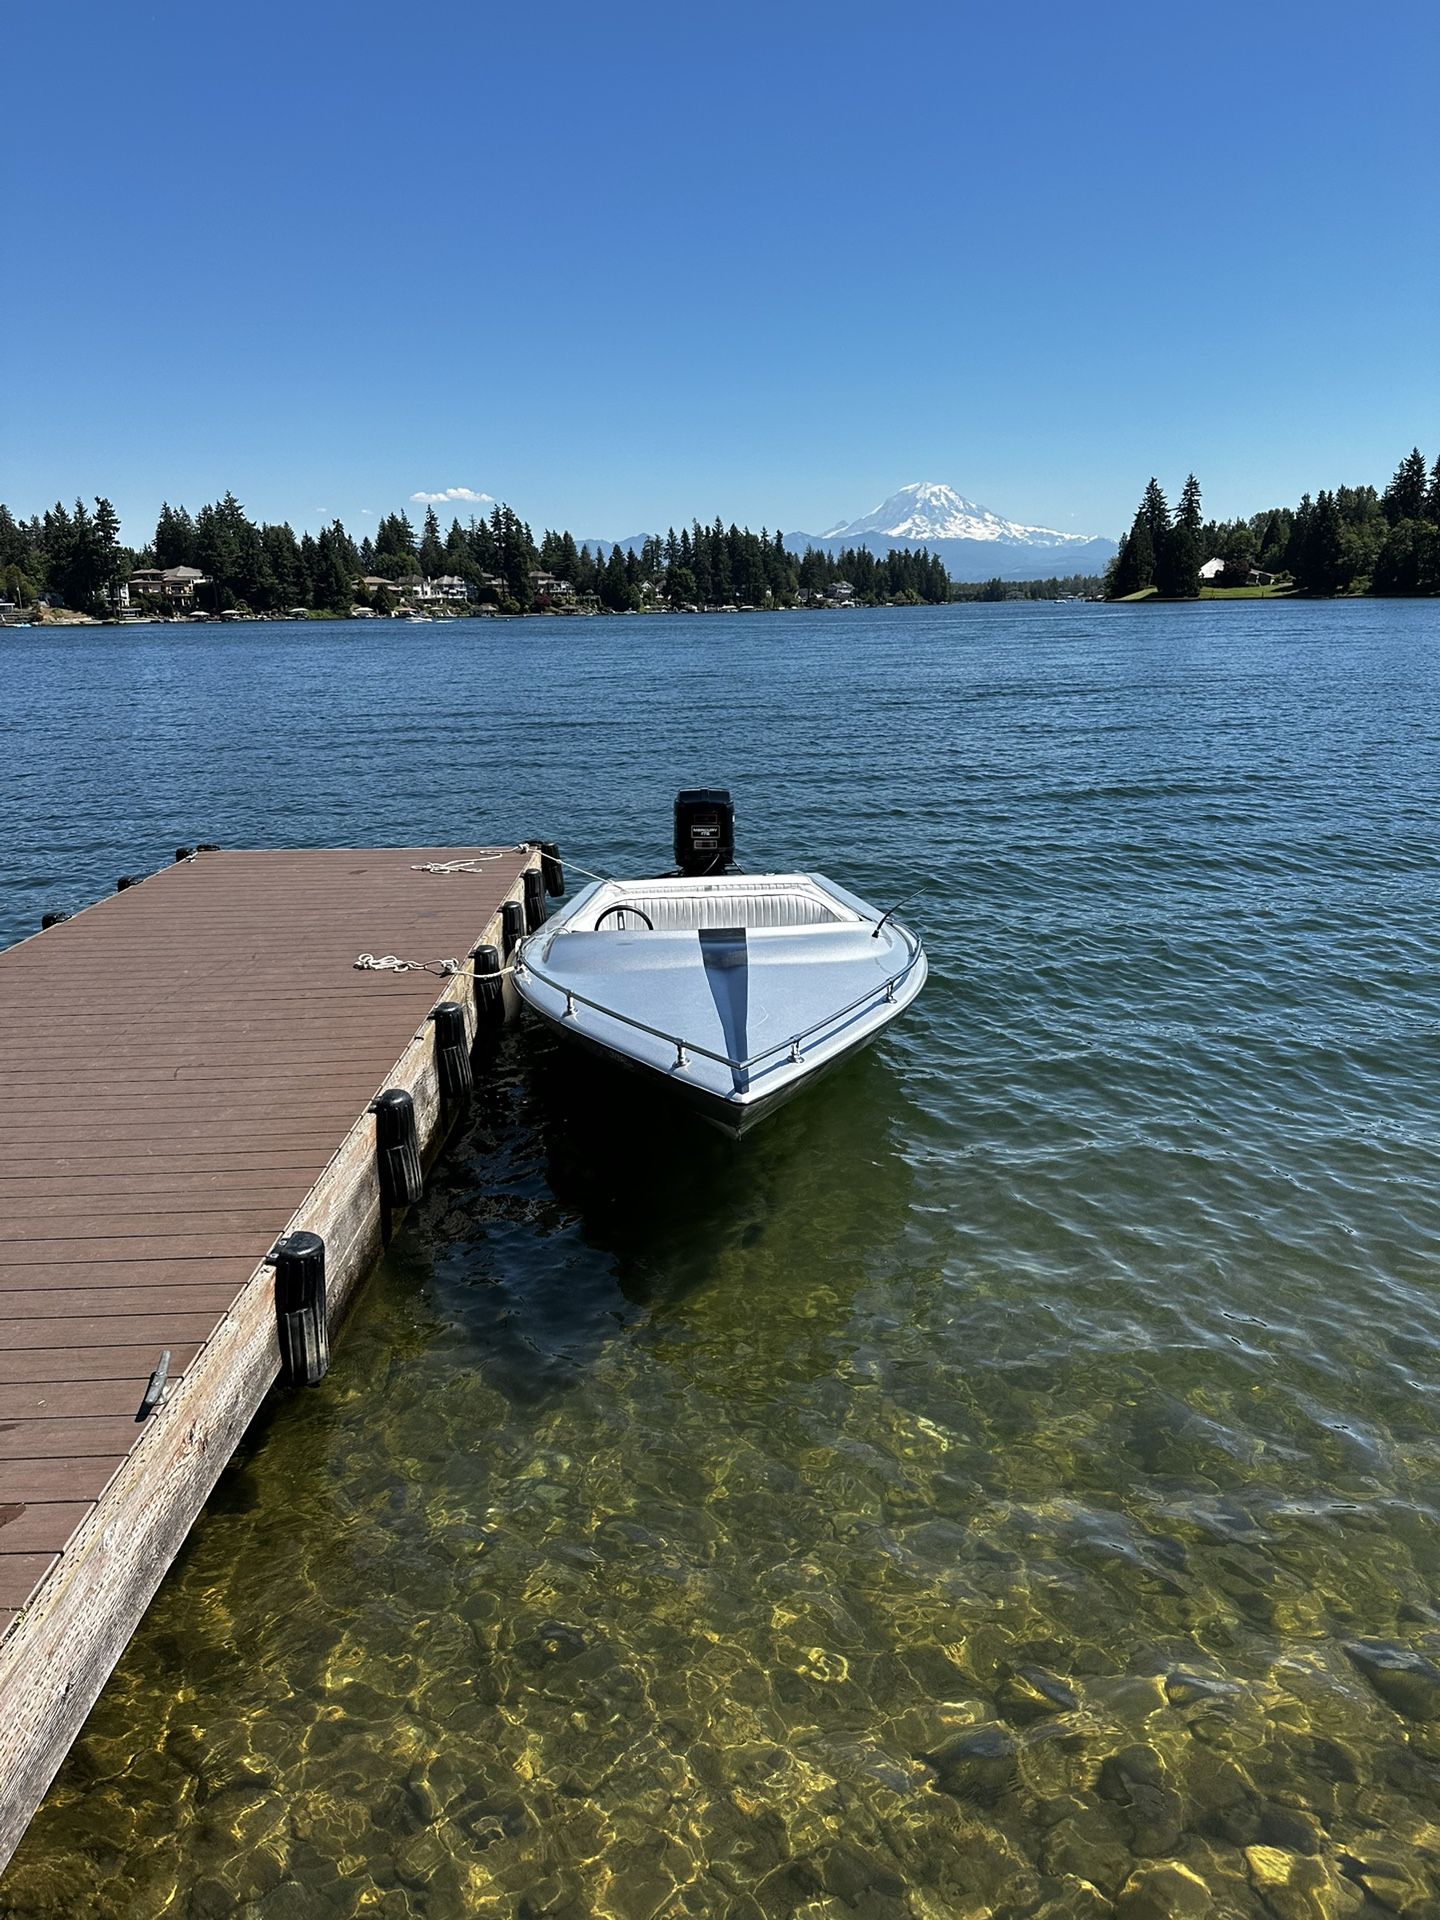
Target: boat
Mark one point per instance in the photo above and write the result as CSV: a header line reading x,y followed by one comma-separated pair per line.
x,y
732,991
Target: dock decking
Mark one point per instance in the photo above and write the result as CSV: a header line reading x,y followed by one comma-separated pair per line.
x,y
186,1069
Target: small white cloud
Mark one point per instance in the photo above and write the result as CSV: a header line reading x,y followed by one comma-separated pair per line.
x,y
453,493
369,512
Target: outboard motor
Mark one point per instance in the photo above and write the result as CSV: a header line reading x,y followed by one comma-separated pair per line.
x,y
704,831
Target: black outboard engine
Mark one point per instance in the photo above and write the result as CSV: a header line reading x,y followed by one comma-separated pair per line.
x,y
704,831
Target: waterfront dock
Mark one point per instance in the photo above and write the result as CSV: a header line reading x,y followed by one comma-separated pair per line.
x,y
188,1070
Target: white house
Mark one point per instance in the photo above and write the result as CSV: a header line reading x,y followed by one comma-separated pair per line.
x,y
1212,570
447,587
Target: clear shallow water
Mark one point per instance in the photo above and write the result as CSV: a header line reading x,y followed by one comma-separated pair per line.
x,y
1053,1395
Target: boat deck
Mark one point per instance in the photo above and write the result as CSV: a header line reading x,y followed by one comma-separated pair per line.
x,y
187,1068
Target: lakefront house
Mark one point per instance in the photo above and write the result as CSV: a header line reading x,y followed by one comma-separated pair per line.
x,y
174,584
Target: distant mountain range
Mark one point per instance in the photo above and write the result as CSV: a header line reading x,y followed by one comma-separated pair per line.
x,y
974,543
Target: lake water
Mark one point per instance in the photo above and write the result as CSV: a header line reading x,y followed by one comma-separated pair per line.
x,y
1007,1483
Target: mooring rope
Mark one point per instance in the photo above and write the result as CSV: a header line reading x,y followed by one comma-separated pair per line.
x,y
443,969
476,863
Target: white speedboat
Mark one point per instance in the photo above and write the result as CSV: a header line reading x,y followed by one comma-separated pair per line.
x,y
735,990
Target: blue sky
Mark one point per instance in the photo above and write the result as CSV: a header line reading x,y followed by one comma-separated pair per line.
x,y
626,264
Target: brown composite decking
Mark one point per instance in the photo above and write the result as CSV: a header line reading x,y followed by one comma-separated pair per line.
x,y
186,1069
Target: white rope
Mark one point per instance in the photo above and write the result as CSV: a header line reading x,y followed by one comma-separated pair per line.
x,y
475,864
392,963
574,866
445,969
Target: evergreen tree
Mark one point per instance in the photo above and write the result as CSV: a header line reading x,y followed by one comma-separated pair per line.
x,y
1177,564
616,590
284,582
1409,561
395,554
1133,568
1274,530
1156,514
309,558
721,587
78,565
333,578
174,538
680,587
1324,563
1187,514
109,552
432,553
1404,498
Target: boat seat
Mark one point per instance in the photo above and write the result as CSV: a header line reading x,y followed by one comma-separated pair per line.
x,y
688,912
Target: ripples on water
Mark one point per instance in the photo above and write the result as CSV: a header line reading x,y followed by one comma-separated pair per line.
x,y
961,1497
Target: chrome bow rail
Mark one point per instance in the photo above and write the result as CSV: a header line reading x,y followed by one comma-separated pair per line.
x,y
684,1048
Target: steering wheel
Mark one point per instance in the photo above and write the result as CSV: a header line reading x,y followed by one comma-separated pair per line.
x,y
624,906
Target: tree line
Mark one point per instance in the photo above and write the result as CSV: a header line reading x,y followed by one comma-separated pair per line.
x,y
78,556
1344,540
1070,586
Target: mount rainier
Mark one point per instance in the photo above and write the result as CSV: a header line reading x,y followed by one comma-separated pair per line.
x,y
974,543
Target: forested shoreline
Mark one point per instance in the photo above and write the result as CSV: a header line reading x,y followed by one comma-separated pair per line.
x,y
78,556
1346,540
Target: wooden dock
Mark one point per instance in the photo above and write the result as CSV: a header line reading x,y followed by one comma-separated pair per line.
x,y
187,1068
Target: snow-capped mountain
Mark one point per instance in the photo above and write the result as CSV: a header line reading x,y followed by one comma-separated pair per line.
x,y
974,542
929,511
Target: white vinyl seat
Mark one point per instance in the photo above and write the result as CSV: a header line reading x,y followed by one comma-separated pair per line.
x,y
677,912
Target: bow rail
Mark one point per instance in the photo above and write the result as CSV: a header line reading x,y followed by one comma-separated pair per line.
x,y
684,1048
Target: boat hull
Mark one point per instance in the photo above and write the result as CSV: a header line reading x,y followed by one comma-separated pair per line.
x,y
727,1116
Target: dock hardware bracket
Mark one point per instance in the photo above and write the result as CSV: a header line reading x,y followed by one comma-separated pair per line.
x,y
154,1387
397,1148
301,1315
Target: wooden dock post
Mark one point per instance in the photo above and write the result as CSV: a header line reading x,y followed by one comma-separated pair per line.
x,y
207,1091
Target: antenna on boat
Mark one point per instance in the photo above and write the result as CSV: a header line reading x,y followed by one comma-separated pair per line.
x,y
888,913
